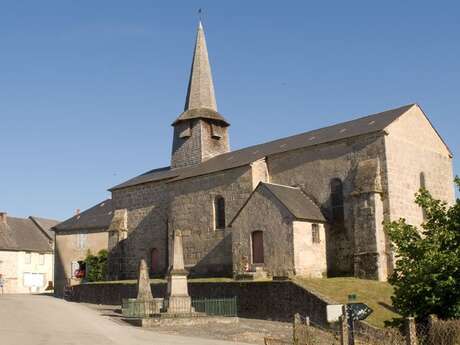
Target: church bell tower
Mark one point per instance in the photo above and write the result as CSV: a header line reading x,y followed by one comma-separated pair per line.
x,y
200,132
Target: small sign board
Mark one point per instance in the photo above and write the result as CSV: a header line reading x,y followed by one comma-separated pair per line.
x,y
358,311
333,312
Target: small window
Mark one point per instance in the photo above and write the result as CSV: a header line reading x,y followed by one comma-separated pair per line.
x,y
337,201
28,258
185,130
422,180
41,259
219,213
315,238
423,186
74,267
216,131
81,241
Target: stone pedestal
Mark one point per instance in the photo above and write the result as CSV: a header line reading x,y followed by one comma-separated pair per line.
x,y
180,305
178,300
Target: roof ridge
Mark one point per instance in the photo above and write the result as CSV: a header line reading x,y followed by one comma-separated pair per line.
x,y
245,155
281,185
321,128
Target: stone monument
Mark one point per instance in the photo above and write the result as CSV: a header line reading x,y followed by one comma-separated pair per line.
x,y
178,299
144,292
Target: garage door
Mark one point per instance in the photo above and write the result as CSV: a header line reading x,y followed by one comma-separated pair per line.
x,y
34,280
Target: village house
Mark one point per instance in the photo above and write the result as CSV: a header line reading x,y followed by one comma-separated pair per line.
x,y
85,233
26,254
311,204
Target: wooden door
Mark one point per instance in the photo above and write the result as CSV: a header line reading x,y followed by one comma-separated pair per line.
x,y
257,247
155,261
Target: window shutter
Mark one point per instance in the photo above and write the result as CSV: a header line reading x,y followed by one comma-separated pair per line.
x,y
186,131
216,131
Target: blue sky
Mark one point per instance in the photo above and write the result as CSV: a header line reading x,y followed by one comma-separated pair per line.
x,y
88,89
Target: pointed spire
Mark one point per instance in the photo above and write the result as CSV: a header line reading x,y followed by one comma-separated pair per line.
x,y
200,93
201,101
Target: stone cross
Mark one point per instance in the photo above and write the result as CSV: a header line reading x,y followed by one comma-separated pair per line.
x,y
144,292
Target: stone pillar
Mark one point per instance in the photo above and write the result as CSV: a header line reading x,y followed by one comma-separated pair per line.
x,y
370,243
259,172
117,231
411,331
179,301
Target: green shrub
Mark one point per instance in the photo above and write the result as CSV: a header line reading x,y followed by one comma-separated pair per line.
x,y
426,278
96,266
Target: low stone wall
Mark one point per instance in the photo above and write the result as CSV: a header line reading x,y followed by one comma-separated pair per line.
x,y
277,301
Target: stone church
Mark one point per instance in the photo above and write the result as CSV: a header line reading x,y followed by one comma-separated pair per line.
x,y
310,204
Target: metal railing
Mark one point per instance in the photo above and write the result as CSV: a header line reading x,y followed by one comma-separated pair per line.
x,y
216,306
132,307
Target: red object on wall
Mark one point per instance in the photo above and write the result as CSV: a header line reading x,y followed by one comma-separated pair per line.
x,y
155,261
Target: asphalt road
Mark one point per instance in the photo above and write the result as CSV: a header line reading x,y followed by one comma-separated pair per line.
x,y
45,320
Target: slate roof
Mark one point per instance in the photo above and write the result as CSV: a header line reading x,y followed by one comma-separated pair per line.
x,y
295,201
45,225
201,99
97,217
364,125
24,234
298,204
202,113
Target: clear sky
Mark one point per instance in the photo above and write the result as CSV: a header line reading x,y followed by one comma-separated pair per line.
x,y
88,89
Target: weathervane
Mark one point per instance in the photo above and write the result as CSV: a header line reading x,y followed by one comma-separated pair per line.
x,y
200,11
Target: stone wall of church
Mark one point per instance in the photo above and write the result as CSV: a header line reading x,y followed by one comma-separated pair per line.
x,y
214,139
312,169
265,213
147,209
196,141
187,146
413,148
415,156
207,250
309,256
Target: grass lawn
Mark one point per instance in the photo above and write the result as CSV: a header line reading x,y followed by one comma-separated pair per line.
x,y
375,294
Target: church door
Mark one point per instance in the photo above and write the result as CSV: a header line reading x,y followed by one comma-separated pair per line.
x,y
155,261
257,247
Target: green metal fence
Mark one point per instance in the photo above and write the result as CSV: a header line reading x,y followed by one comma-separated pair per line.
x,y
132,307
216,306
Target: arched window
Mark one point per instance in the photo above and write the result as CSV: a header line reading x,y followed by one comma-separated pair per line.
x,y
422,180
257,239
337,201
219,212
423,186
154,260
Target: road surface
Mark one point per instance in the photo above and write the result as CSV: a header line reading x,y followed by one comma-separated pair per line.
x,y
45,320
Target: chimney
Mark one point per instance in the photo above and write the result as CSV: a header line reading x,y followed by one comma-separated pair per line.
x,y
3,217
77,211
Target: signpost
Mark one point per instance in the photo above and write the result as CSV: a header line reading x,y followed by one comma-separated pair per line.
x,y
2,282
355,311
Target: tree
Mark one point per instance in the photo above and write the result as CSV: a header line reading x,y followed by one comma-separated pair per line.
x,y
96,266
426,278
